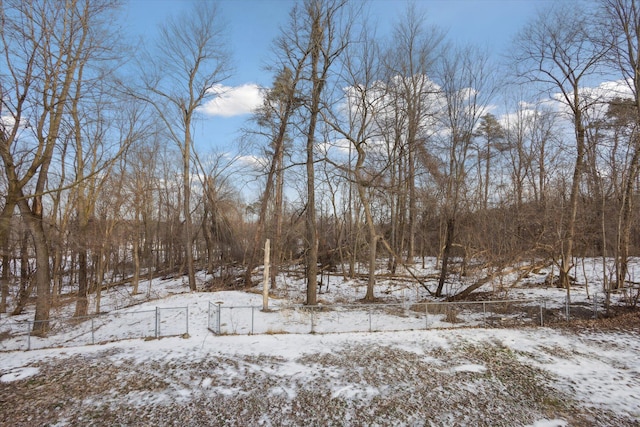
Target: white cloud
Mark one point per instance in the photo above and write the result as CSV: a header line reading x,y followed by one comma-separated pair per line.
x,y
7,121
254,162
609,90
233,101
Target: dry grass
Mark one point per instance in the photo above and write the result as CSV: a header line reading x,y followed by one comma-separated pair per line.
x,y
275,332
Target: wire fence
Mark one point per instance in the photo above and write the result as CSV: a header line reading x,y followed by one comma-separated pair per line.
x,y
243,320
335,318
98,329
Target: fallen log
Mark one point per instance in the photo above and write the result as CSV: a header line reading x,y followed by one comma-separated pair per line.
x,y
525,270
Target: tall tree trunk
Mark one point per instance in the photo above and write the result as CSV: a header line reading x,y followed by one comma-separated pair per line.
x,y
82,301
413,213
135,280
206,232
277,257
82,304
33,219
627,216
310,221
446,253
393,216
373,244
186,182
5,226
100,268
569,239
26,284
5,278
317,81
371,228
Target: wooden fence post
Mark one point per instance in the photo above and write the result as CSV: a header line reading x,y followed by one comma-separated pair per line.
x,y
265,286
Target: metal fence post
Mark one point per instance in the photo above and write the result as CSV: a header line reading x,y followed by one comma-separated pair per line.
x,y
219,325
595,305
187,320
157,326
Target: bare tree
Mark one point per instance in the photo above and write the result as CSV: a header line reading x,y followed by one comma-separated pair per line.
x,y
325,43
44,46
316,38
280,104
467,88
361,119
220,236
189,60
5,235
559,54
544,151
357,124
409,63
622,24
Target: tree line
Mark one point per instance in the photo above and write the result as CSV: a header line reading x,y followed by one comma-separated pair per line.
x,y
371,148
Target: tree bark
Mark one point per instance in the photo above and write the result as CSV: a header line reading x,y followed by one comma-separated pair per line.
x,y
5,226
33,219
186,184
627,216
569,239
446,253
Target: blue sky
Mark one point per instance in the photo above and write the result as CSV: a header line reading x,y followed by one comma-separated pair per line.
x,y
253,24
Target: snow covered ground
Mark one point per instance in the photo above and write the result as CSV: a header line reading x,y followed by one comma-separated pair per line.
x,y
529,376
